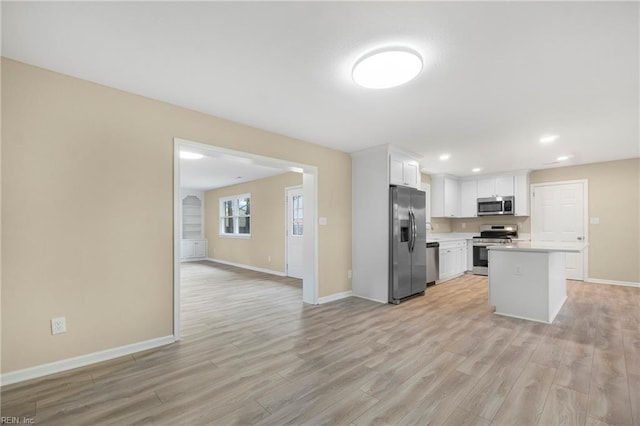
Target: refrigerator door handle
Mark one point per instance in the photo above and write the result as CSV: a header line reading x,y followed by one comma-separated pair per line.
x,y
412,236
415,230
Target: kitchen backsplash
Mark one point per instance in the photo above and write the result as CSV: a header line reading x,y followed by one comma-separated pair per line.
x,y
440,225
473,224
443,225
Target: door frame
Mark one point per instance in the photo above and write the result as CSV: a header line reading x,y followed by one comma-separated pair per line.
x,y
585,200
286,226
310,192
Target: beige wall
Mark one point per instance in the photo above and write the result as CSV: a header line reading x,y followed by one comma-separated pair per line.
x,y
267,223
614,197
87,211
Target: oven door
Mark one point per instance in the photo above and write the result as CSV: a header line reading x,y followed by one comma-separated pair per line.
x,y
480,259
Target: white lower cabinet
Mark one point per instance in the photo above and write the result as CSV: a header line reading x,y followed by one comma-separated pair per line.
x,y
193,249
453,259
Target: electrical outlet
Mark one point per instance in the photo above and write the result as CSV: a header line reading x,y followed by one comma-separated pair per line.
x,y
58,325
464,225
349,274
269,259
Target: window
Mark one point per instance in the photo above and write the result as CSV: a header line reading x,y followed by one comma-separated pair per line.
x,y
235,215
297,219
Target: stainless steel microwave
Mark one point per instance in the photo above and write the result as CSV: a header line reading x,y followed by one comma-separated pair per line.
x,y
496,205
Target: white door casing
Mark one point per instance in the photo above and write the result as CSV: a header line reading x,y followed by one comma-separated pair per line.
x,y
559,214
295,231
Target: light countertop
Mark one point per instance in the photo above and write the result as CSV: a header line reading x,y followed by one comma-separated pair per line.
x,y
450,236
541,246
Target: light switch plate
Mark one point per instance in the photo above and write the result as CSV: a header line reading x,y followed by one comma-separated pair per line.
x,y
594,221
322,221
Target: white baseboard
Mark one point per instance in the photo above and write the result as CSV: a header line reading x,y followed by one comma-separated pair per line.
x,y
450,278
371,299
251,268
193,259
82,360
612,282
334,297
519,317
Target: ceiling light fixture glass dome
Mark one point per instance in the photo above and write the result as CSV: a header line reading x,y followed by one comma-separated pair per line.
x,y
386,68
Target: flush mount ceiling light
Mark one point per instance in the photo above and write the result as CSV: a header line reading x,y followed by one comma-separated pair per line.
x,y
563,158
386,68
445,157
186,155
548,138
476,169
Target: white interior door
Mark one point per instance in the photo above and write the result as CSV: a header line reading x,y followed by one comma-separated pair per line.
x,y
295,232
558,215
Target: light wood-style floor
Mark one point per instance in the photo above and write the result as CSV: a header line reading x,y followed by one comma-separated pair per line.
x,y
252,353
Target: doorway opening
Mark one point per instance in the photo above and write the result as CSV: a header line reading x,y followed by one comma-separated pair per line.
x,y
308,210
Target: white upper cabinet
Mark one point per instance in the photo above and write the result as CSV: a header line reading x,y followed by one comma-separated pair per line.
x,y
411,174
469,198
504,186
404,171
495,187
453,198
427,193
444,197
451,206
521,196
396,166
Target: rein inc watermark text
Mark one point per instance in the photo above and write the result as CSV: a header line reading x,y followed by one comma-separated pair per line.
x,y
6,420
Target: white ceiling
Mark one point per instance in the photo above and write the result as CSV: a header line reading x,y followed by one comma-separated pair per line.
x,y
212,172
498,75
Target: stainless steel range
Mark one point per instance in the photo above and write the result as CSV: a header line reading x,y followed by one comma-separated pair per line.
x,y
490,235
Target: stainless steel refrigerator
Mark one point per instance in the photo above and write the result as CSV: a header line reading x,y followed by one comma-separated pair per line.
x,y
407,243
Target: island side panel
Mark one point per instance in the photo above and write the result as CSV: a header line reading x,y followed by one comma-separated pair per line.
x,y
519,284
557,283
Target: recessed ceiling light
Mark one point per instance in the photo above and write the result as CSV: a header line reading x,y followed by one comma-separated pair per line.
x,y
563,158
548,138
186,155
445,157
476,169
386,68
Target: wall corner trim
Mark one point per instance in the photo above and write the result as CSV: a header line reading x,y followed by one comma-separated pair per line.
x,y
335,296
249,267
82,360
612,282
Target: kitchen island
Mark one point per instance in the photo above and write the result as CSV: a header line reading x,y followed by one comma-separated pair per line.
x,y
527,279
